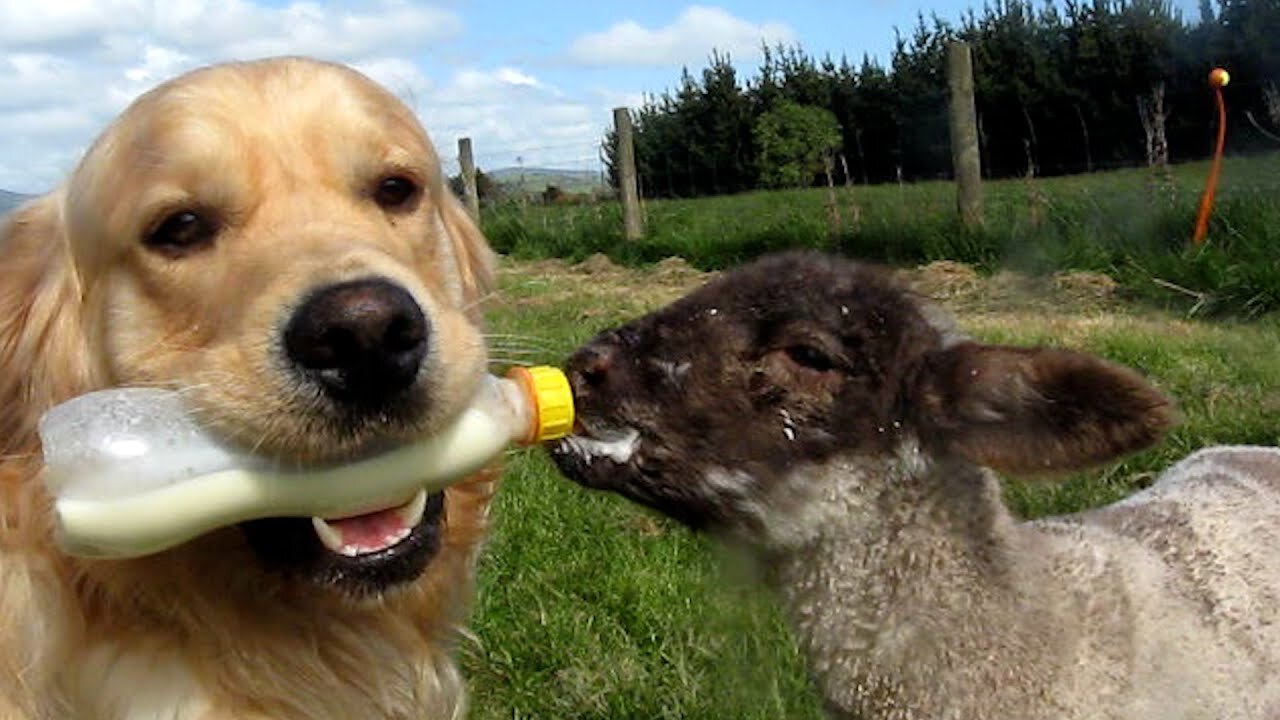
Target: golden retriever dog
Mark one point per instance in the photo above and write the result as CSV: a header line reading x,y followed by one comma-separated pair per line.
x,y
274,239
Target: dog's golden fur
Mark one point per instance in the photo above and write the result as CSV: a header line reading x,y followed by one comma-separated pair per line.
x,y
285,154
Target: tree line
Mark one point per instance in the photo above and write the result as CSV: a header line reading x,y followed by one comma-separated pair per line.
x,y
1062,88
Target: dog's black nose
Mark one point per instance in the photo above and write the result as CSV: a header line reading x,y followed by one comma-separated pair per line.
x,y
363,340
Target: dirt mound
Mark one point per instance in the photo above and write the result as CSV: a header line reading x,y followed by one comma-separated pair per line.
x,y
955,285
943,279
962,287
677,271
597,264
673,265
1015,286
1085,285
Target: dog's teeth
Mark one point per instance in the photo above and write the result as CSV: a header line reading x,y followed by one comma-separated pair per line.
x,y
401,534
330,537
411,513
407,517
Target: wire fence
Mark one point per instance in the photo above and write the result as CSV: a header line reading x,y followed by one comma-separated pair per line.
x,y
519,176
533,172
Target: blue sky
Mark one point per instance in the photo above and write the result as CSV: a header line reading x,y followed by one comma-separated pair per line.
x,y
530,83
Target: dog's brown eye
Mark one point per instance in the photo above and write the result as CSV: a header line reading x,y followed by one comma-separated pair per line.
x,y
182,231
395,192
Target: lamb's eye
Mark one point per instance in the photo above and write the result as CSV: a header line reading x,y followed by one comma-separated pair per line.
x,y
810,357
181,232
395,192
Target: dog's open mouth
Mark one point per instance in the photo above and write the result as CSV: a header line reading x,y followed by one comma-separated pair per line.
x,y
372,532
360,555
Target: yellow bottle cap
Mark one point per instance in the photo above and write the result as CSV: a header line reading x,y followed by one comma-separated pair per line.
x,y
552,400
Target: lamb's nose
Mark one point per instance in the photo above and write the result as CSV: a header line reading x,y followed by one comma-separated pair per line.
x,y
589,368
362,341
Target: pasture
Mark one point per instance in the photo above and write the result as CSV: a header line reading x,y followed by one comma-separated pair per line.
x,y
1134,225
590,607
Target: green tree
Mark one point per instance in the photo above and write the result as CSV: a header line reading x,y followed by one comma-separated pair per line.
x,y
1059,85
794,140
919,84
1017,82
695,141
1247,46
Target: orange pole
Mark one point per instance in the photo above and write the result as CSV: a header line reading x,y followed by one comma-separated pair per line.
x,y
1217,79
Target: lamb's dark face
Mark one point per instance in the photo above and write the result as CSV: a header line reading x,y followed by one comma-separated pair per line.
x,y
719,396
724,408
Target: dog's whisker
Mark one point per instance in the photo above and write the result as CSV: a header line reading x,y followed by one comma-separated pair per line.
x,y
512,336
502,347
520,341
524,350
478,301
510,362
517,356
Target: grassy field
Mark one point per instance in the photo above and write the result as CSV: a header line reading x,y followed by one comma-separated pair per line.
x,y
1129,224
590,607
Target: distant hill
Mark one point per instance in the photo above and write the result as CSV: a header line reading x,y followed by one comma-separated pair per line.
x,y
536,179
11,200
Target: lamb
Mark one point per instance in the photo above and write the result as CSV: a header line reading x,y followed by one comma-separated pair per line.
x,y
815,410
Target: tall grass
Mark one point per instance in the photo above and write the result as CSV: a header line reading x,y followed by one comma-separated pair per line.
x,y
1128,224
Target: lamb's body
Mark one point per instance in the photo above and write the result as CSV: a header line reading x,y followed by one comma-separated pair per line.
x,y
1164,605
817,411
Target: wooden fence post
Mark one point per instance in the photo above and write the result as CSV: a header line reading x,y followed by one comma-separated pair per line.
x,y
625,156
965,159
471,195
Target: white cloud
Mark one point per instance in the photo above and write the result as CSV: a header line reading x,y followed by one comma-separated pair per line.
x,y
67,67
612,98
28,80
402,77
304,28
689,39
511,76
25,25
513,118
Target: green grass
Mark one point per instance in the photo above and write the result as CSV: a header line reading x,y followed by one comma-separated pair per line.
x,y
590,607
1122,223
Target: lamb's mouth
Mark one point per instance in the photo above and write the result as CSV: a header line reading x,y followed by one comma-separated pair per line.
x,y
594,452
360,555
613,458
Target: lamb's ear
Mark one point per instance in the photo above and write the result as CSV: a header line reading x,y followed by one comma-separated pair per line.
x,y
43,355
1035,410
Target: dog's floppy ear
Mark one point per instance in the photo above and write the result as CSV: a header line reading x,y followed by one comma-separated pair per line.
x,y
470,249
43,355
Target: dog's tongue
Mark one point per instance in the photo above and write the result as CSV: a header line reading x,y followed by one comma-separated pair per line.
x,y
371,532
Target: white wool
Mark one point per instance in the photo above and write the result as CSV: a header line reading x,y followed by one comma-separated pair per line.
x,y
917,595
